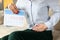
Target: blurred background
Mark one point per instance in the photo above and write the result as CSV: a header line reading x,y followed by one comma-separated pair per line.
x,y
4,30
1,5
1,11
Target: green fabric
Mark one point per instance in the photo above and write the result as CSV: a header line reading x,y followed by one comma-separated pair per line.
x,y
31,35
0,38
5,37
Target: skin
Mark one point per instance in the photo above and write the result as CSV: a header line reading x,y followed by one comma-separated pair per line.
x,y
37,28
14,8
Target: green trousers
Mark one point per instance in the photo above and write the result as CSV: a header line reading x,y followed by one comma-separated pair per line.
x,y
29,35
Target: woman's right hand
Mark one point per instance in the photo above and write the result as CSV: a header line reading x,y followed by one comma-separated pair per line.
x,y
13,8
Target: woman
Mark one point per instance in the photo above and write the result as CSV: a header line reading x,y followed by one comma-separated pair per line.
x,y
40,25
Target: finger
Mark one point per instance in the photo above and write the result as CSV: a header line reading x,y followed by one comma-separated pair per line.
x,y
43,29
34,28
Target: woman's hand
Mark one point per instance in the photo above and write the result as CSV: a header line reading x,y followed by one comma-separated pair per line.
x,y
39,27
13,8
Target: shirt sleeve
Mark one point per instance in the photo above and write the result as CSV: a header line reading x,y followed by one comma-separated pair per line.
x,y
20,4
54,19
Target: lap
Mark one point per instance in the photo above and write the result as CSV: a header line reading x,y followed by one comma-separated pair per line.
x,y
30,35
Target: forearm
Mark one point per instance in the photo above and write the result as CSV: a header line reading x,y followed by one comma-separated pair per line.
x,y
53,20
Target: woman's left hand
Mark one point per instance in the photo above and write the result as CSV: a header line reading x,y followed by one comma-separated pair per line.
x,y
39,27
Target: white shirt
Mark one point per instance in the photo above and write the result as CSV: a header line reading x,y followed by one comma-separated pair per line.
x,y
37,11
